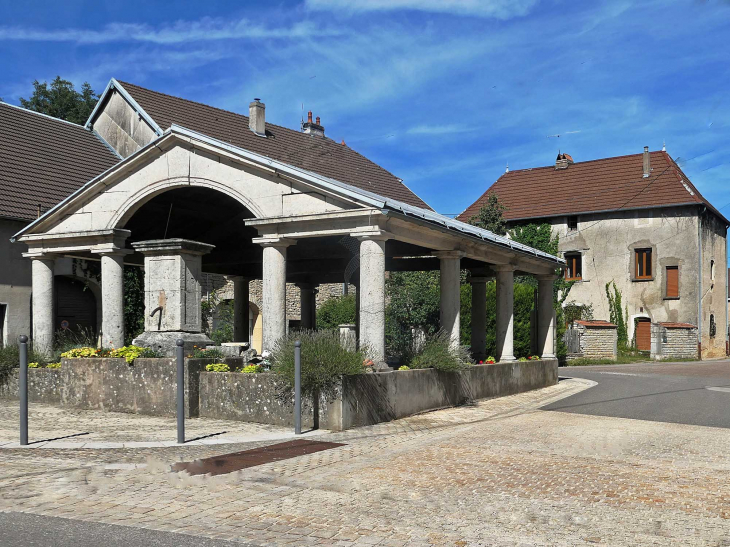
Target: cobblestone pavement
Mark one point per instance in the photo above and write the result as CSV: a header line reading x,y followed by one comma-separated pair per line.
x,y
500,472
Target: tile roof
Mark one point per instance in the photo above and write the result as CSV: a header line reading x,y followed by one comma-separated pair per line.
x,y
319,155
596,323
678,325
43,160
600,185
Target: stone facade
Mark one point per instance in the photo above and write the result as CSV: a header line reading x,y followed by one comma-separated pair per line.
x,y
597,340
673,341
606,243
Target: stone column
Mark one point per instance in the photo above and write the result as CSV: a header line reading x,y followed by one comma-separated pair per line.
x,y
545,317
43,309
306,294
371,293
112,300
479,317
505,312
274,290
450,308
240,309
172,286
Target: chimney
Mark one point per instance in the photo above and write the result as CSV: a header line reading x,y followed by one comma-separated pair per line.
x,y
257,117
563,161
647,165
312,128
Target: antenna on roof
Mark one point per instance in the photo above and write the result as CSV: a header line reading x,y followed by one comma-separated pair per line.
x,y
664,145
507,169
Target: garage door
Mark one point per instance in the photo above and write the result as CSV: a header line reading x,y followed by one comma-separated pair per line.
x,y
643,335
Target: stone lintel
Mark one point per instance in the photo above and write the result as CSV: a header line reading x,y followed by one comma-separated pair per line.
x,y
503,267
375,234
172,247
546,277
449,254
274,241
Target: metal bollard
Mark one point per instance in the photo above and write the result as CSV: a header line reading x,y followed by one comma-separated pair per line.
x,y
180,391
298,387
23,388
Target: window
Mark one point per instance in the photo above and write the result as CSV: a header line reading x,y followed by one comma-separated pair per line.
x,y
713,326
572,224
712,271
672,282
574,271
643,264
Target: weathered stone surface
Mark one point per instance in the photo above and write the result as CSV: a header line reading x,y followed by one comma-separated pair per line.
x,y
166,342
596,342
44,385
673,342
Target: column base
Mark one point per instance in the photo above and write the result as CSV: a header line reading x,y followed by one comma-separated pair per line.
x,y
507,359
165,342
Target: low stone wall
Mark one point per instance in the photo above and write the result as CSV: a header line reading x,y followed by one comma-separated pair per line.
x,y
44,385
596,339
673,341
369,398
262,398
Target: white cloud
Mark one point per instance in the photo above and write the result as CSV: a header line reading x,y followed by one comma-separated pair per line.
x,y
206,29
499,9
440,129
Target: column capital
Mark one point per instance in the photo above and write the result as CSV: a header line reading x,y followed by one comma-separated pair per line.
x,y
112,252
274,241
174,246
479,279
374,234
503,268
546,277
449,254
35,255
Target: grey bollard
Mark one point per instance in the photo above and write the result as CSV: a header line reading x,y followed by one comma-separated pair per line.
x,y
180,391
23,388
298,387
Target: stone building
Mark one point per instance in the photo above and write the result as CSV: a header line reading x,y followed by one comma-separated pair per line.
x,y
202,190
43,160
635,220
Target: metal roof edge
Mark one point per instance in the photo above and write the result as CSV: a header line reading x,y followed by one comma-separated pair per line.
x,y
114,84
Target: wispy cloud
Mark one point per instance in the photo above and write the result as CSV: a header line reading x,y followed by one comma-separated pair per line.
x,y
447,129
498,9
205,29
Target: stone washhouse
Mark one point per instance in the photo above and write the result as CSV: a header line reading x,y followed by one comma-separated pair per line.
x,y
197,189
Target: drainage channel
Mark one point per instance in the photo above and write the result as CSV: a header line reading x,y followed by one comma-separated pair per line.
x,y
228,463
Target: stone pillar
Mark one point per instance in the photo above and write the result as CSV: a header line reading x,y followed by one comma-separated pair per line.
x,y
306,312
371,293
274,290
479,317
172,286
43,309
240,309
450,308
545,317
112,300
505,312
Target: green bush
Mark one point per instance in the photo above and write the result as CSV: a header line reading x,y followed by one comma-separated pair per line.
x,y
202,353
34,365
324,360
336,311
252,369
10,359
404,367
437,353
218,367
53,365
130,353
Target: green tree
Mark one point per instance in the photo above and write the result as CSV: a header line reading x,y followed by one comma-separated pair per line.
x,y
616,315
61,100
336,311
491,216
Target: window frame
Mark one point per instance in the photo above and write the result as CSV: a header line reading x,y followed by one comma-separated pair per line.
x,y
667,296
576,258
572,219
643,251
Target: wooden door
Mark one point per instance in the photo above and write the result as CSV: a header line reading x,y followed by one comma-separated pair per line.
x,y
643,335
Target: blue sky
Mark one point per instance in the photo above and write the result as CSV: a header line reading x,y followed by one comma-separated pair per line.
x,y
443,93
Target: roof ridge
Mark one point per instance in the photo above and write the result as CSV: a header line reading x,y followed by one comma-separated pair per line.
x,y
579,162
48,116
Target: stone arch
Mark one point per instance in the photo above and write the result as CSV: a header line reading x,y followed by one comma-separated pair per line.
x,y
146,193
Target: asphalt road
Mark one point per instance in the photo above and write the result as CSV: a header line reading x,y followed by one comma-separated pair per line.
x,y
26,530
660,392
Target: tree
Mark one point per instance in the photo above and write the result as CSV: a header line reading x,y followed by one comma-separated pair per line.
x,y
61,100
336,311
491,216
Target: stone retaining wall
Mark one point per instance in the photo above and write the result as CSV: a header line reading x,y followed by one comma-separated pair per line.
x,y
669,341
597,339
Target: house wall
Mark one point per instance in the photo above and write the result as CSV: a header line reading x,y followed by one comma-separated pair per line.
x,y
14,283
607,242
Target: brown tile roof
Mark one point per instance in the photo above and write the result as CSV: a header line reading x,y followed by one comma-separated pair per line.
x,y
43,160
599,185
319,155
600,323
678,325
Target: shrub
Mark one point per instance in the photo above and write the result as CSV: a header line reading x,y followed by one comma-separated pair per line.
x,y
33,365
130,353
437,353
202,353
404,367
534,358
324,360
490,360
218,367
10,359
85,352
53,365
522,359
335,312
252,369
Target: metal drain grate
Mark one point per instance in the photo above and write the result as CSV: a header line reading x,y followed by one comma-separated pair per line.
x,y
228,463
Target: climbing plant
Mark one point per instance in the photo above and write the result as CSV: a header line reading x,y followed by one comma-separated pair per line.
x,y
616,314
